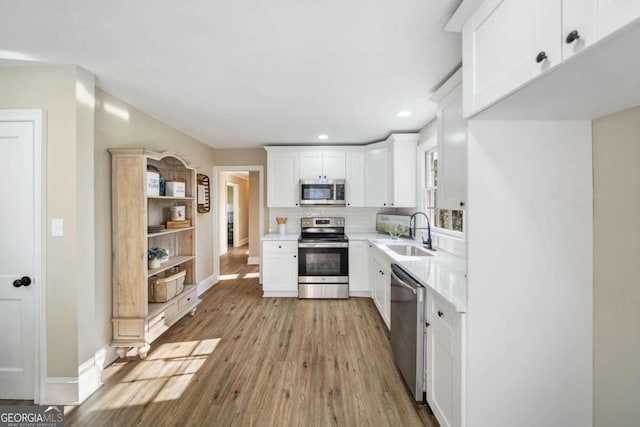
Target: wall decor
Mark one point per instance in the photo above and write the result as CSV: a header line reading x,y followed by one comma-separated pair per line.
x,y
204,193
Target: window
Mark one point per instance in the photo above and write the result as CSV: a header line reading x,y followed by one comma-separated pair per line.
x,y
447,219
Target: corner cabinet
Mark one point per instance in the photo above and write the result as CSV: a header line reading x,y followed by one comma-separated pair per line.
x,y
141,219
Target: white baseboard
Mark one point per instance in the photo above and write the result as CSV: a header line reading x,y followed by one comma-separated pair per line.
x,y
60,391
253,260
279,294
360,294
243,242
89,379
207,283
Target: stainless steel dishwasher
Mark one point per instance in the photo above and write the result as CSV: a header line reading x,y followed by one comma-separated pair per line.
x,y
407,330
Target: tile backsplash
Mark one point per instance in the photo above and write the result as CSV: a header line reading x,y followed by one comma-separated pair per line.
x,y
357,220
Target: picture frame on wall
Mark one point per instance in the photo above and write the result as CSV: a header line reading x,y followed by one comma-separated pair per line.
x,y
204,193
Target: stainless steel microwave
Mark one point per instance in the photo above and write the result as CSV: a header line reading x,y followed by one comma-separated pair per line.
x,y
322,192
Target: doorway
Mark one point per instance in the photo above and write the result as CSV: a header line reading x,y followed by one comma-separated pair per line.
x,y
239,217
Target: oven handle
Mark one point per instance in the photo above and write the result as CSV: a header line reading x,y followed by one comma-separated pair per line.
x,y
323,245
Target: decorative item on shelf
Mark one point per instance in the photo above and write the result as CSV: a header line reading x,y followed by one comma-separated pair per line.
x,y
162,287
204,198
175,189
155,256
282,224
160,180
155,228
179,224
153,183
178,212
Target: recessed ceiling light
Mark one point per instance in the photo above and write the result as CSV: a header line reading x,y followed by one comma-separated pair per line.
x,y
323,136
404,113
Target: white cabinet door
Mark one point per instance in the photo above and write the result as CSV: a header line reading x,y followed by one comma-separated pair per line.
x,y
376,177
322,165
440,375
279,268
444,361
359,268
614,14
452,152
501,45
354,180
402,170
578,16
282,179
333,165
311,165
381,281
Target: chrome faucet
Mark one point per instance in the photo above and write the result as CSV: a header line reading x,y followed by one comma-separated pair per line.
x,y
412,231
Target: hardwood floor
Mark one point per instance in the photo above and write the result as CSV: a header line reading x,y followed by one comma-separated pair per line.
x,y
244,360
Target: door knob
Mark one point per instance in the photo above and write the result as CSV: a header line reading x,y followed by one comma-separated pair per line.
x,y
25,281
541,57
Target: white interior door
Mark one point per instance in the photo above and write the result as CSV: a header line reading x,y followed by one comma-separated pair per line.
x,y
17,259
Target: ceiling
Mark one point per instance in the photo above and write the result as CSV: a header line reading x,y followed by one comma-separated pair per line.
x,y
239,74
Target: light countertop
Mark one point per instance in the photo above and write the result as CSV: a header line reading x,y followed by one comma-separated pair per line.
x,y
444,273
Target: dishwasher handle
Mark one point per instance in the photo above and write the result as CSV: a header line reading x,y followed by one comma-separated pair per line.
x,y
403,279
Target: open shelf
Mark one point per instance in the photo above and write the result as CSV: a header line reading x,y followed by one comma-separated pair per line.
x,y
170,198
170,231
173,261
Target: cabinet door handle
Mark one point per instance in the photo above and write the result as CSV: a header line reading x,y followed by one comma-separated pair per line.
x,y
279,247
461,204
384,204
427,324
295,256
440,314
542,56
572,36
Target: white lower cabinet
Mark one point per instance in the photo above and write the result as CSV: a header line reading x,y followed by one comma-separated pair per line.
x,y
359,269
380,277
444,361
280,268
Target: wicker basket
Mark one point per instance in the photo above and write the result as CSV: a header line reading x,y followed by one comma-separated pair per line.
x,y
164,287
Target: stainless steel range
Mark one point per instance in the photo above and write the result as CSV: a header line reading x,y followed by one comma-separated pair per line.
x,y
323,258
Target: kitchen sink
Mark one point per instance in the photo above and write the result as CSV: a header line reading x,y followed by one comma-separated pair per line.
x,y
409,250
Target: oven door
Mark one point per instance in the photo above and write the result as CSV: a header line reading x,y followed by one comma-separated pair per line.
x,y
323,263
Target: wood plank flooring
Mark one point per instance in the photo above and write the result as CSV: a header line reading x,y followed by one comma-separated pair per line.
x,y
244,360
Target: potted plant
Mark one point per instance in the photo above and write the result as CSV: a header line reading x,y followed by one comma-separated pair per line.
x,y
155,256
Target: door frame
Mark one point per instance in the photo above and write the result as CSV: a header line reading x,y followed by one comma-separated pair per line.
x,y
38,118
216,212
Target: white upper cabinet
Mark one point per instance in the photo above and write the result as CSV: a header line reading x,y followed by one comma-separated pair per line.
x,y
354,180
402,170
508,43
322,165
376,176
452,145
311,165
282,179
505,44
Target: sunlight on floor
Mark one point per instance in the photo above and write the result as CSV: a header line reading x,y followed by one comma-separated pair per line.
x,y
163,376
240,276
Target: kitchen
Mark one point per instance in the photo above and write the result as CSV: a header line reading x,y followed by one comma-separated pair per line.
x,y
543,259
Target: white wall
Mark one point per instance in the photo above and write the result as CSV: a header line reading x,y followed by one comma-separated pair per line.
x,y
530,299
616,158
